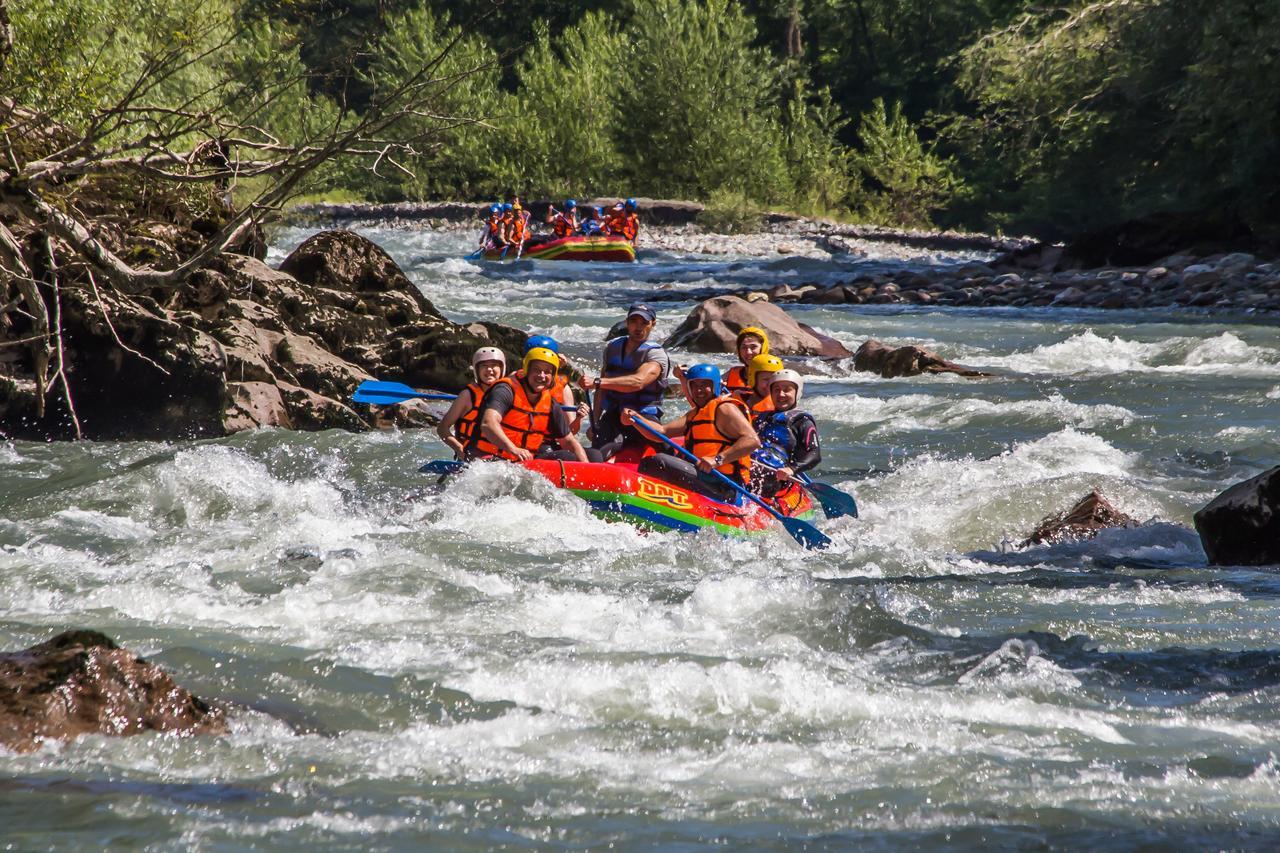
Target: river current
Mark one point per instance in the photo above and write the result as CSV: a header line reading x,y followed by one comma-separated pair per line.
x,y
491,666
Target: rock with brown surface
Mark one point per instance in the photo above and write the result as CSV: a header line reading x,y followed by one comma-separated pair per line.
x,y
713,326
1241,526
242,345
80,682
1091,513
892,362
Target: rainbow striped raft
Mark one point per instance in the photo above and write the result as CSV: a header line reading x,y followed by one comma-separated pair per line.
x,y
575,248
617,491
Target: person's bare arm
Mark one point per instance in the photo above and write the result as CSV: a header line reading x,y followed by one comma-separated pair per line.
x,y
733,424
648,372
460,407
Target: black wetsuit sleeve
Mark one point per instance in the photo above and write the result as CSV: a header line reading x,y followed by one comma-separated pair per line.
x,y
806,454
499,398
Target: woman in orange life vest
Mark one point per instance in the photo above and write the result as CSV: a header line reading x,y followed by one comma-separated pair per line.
x,y
564,223
715,429
759,374
751,342
459,423
519,416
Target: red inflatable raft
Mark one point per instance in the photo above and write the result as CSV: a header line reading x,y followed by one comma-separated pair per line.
x,y
618,491
575,248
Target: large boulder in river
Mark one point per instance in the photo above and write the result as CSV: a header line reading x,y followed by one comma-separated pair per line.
x,y
713,326
1241,526
892,362
80,682
241,345
1090,514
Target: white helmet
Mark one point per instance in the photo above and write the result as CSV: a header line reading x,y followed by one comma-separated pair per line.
x,y
791,376
488,354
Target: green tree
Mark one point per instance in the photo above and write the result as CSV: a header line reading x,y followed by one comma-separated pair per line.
x,y
701,103
1101,111
568,110
470,123
904,181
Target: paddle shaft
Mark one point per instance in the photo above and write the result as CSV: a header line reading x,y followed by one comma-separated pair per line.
x,y
695,460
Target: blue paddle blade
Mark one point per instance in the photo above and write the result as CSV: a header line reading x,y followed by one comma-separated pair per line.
x,y
835,503
442,466
390,393
805,533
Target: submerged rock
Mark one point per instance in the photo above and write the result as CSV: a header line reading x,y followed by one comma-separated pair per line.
x,y
80,682
891,362
713,326
1090,514
1241,526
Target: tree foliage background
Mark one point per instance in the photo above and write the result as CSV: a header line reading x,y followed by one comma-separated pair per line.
x,y
1005,114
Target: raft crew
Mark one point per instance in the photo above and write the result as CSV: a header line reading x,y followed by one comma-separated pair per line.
x,y
519,415
788,442
593,224
760,372
492,236
635,375
715,429
459,423
623,221
564,223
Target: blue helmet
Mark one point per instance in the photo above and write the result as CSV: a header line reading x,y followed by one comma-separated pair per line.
x,y
542,341
506,207
705,371
630,204
497,208
570,204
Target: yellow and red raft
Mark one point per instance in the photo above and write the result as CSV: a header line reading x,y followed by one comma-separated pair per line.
x,y
573,248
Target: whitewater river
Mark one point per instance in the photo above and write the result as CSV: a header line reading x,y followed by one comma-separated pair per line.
x,y
491,666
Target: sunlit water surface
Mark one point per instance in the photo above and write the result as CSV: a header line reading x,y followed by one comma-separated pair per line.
x,y
491,666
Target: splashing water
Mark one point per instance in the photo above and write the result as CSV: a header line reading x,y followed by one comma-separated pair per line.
x,y
489,665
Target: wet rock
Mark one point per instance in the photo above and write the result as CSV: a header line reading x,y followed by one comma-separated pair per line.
x,y
80,682
892,362
1241,526
713,326
242,345
1197,275
1090,514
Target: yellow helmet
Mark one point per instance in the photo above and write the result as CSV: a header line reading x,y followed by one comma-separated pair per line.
x,y
753,330
540,354
767,363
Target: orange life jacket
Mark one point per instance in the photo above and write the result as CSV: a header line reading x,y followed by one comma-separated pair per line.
x,y
493,225
735,382
626,224
703,438
562,225
465,426
516,231
762,407
527,423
